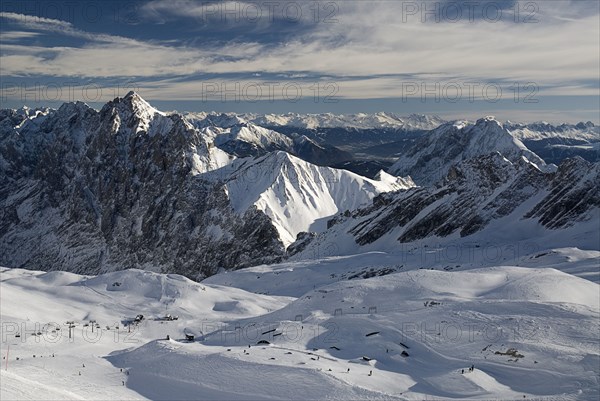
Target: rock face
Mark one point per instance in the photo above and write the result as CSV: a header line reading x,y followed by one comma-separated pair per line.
x,y
477,192
131,187
430,158
90,191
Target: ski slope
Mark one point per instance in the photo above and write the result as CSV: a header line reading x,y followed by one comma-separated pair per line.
x,y
352,327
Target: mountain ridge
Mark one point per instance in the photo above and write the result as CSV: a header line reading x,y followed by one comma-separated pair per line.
x,y
432,155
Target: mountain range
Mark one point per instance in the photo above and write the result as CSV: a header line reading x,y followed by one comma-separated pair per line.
x,y
129,186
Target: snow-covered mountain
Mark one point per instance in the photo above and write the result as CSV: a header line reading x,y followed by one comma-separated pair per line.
x,y
250,140
92,191
296,195
204,119
346,141
582,131
130,186
555,143
431,156
486,198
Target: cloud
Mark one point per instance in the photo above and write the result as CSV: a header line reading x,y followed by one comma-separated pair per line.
x,y
103,55
236,11
37,22
14,36
368,52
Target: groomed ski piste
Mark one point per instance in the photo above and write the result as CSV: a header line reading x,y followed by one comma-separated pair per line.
x,y
369,326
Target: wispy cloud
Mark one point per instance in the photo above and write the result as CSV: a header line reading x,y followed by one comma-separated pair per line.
x,y
368,51
35,22
13,36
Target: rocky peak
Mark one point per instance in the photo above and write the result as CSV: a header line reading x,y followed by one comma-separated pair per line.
x,y
582,125
431,157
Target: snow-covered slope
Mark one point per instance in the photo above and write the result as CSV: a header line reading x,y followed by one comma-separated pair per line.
x,y
252,135
298,196
290,278
512,324
248,139
53,366
431,156
488,199
528,331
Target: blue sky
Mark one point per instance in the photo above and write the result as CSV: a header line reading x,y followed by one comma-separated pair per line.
x,y
518,60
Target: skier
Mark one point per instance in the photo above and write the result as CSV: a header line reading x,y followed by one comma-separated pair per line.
x,y
462,372
348,370
123,382
472,368
370,373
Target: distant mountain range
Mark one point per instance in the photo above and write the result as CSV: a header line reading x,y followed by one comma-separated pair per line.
x,y
366,143
325,120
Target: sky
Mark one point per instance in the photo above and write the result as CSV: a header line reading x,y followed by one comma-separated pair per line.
x,y
518,60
